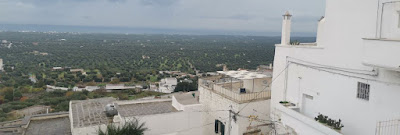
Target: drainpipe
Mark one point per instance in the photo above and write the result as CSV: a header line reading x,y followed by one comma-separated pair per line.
x,y
286,78
377,19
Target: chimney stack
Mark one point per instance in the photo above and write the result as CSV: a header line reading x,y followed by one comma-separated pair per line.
x,y
225,68
286,28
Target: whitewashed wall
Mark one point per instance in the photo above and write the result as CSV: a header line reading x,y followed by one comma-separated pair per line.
x,y
213,102
390,20
177,123
346,23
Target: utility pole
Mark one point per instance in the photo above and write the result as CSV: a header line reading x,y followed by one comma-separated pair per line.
x,y
230,119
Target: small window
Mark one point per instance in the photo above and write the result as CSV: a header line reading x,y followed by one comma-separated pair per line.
x,y
308,96
363,91
398,13
219,127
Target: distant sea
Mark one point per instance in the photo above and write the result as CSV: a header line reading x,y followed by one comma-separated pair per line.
x,y
130,30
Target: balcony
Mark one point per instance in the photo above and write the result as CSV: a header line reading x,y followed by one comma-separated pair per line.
x,y
230,89
292,117
301,45
382,53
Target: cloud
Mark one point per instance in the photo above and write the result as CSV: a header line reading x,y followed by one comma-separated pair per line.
x,y
231,17
158,2
236,15
117,1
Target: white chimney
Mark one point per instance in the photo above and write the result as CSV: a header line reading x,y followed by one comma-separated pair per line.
x,y
286,26
225,68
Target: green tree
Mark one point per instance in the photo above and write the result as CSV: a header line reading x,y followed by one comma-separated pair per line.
x,y
17,95
8,93
185,86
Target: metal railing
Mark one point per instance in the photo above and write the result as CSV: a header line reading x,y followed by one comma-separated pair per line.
x,y
390,127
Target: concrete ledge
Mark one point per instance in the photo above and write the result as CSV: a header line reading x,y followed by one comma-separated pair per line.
x,y
306,46
382,39
127,102
303,124
52,116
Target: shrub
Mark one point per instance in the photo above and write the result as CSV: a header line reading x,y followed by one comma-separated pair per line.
x,y
130,128
330,122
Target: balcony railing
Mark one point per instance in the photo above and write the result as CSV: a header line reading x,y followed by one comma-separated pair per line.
x,y
390,127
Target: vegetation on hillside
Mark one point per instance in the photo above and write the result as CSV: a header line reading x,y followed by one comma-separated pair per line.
x,y
29,58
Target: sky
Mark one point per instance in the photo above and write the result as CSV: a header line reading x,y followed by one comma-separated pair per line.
x,y
248,16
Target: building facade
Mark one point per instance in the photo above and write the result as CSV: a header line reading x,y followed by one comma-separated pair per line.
x,y
231,103
179,115
350,74
167,85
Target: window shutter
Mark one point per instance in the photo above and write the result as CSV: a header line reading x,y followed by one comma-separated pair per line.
x,y
222,129
216,126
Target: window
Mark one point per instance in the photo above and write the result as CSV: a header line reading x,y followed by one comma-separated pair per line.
x,y
363,91
308,96
398,13
219,127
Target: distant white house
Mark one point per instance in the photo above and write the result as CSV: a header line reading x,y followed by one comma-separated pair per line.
x,y
153,87
108,87
186,80
88,88
92,88
114,87
78,70
52,88
167,85
57,68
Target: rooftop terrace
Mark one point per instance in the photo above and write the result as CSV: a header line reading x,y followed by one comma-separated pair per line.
x,y
89,112
187,98
146,108
230,83
55,126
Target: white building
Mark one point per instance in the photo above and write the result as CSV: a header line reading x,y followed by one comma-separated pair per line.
x,y
52,88
235,103
118,87
167,85
351,73
1,65
179,115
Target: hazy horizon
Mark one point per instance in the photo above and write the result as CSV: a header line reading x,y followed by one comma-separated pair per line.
x,y
223,17
132,30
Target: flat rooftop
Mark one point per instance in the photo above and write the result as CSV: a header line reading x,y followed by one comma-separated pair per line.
x,y
54,126
243,74
148,108
187,98
37,109
89,112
